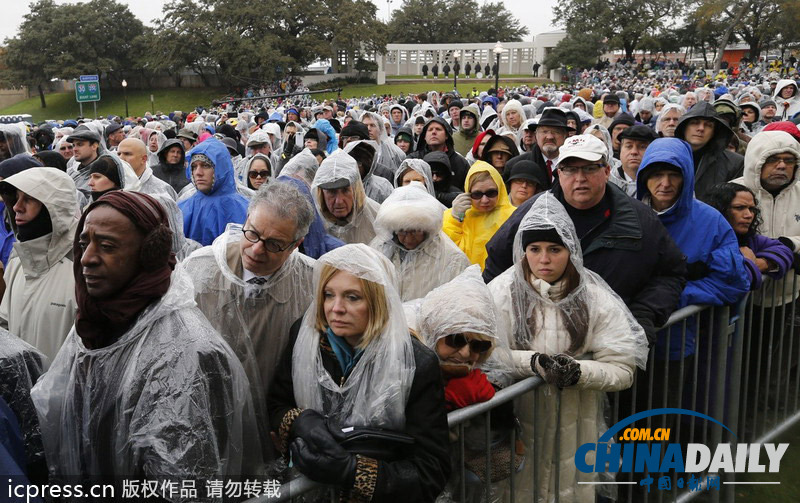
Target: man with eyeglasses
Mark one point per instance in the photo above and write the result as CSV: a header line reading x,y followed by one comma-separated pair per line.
x,y
622,239
771,173
252,285
550,132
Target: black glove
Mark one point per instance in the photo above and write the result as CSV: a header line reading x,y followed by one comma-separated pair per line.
x,y
786,242
542,364
308,421
320,457
568,370
789,244
289,143
697,270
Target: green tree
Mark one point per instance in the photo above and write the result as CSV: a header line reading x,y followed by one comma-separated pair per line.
x,y
442,22
581,50
623,23
100,37
27,56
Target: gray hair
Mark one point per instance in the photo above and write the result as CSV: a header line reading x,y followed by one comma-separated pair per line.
x,y
287,202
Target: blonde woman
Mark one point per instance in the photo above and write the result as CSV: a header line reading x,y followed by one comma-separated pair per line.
x,y
353,368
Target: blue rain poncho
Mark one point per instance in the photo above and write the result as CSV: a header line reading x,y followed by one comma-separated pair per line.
x,y
205,216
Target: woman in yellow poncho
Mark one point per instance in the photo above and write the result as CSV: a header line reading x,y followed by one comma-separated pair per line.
x,y
479,212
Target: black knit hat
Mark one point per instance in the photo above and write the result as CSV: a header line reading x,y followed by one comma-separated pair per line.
x,y
536,235
106,166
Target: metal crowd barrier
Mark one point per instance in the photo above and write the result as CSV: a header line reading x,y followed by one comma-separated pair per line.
x,y
742,372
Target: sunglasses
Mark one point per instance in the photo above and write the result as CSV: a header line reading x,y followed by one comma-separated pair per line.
x,y
258,174
491,194
458,341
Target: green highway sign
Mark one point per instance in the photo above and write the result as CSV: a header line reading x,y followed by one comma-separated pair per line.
x,y
87,91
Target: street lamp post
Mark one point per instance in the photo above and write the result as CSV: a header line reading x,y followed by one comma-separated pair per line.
x,y
125,92
498,50
456,55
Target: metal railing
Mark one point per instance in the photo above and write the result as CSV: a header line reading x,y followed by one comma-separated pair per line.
x,y
734,363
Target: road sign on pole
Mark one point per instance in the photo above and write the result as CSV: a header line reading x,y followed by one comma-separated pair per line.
x,y
87,90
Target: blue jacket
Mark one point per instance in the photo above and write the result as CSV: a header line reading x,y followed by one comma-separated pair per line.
x,y
324,125
12,453
206,215
702,234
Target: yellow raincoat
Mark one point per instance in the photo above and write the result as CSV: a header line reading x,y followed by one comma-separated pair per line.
x,y
477,229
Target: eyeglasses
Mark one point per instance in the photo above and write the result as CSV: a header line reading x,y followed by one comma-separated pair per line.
x,y
258,174
587,170
774,160
270,245
477,195
458,341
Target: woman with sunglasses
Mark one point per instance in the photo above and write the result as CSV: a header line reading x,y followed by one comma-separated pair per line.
x,y
351,368
458,321
479,212
553,311
258,171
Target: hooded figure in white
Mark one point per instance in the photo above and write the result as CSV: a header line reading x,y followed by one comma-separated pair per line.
x,y
397,125
259,137
538,318
778,208
508,129
390,154
368,157
340,172
419,166
787,107
434,260
39,302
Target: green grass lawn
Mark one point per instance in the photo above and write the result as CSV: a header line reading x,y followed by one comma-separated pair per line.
x,y
461,76
441,85
63,105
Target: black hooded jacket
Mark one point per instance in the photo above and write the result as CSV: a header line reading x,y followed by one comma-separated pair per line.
x,y
173,174
440,165
458,164
632,251
714,163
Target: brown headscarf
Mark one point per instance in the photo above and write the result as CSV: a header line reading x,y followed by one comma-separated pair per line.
x,y
98,319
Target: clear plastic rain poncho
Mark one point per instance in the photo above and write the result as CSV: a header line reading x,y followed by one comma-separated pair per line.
x,y
255,320
302,166
535,318
421,167
390,154
436,260
15,142
147,134
182,246
20,366
358,226
127,176
377,390
463,304
167,400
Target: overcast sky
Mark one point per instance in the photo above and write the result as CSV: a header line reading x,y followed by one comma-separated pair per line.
x,y
536,15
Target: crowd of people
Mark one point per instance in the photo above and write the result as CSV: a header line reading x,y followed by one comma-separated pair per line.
x,y
253,291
